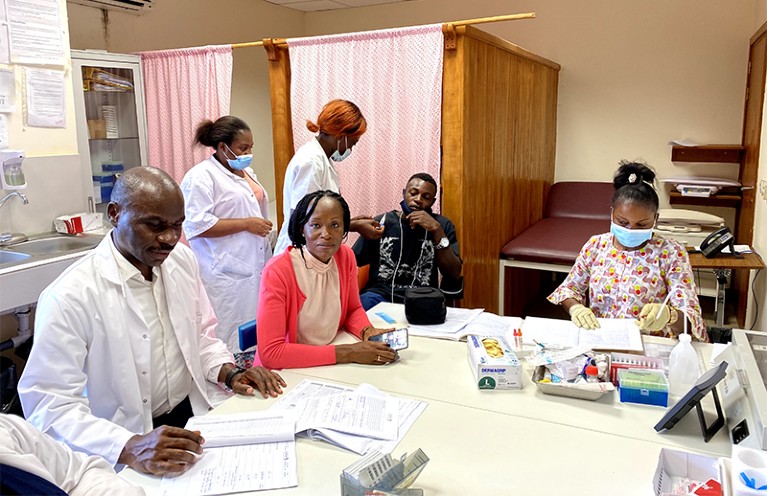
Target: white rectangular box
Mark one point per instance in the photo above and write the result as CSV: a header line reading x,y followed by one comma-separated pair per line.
x,y
493,363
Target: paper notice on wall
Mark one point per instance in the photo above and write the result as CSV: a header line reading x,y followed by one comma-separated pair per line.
x,y
5,50
3,132
7,90
35,32
45,98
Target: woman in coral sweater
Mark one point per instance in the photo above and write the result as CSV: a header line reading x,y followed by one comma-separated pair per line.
x,y
309,293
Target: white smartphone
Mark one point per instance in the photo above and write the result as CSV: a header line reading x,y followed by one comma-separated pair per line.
x,y
396,339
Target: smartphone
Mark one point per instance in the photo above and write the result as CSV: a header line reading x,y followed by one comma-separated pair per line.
x,y
397,338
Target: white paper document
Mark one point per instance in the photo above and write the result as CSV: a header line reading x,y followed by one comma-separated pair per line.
x,y
45,98
7,90
456,320
325,428
244,428
235,469
613,334
249,451
35,30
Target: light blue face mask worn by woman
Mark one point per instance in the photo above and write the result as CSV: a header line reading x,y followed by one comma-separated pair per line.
x,y
630,238
240,162
338,157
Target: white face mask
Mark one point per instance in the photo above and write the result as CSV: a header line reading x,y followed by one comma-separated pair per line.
x,y
338,157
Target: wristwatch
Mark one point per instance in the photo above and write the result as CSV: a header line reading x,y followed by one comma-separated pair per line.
x,y
443,243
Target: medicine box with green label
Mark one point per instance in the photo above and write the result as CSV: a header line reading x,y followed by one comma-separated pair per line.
x,y
494,364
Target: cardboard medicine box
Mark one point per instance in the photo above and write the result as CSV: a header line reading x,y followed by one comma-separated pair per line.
x,y
493,363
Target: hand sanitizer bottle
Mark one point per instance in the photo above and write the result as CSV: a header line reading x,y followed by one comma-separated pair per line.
x,y
683,369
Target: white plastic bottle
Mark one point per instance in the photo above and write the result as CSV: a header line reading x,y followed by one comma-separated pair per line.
x,y
683,368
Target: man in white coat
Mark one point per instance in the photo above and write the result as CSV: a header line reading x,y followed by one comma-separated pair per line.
x,y
125,348
33,463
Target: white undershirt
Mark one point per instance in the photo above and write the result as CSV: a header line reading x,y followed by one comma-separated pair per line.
x,y
170,378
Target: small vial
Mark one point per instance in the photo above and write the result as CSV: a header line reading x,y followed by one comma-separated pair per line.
x,y
517,339
591,373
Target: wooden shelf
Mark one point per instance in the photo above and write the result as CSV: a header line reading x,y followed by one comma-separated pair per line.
x,y
726,154
723,200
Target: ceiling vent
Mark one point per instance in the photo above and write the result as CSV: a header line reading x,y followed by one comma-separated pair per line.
x,y
129,6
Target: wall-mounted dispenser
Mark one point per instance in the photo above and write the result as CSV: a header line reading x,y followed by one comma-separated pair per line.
x,y
12,175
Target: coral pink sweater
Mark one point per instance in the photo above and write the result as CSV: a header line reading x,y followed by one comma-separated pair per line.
x,y
280,300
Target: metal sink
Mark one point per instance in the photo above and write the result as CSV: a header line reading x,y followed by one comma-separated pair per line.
x,y
26,268
57,244
11,257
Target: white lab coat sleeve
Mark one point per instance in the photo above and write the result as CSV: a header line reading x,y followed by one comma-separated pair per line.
x,y
24,447
199,203
53,386
213,351
307,179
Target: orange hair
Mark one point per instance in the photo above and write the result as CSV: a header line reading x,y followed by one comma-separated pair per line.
x,y
339,118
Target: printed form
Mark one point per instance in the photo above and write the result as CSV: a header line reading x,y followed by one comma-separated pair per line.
x,y
613,334
323,426
242,452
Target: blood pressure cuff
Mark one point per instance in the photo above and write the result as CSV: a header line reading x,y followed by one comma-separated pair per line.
x,y
425,306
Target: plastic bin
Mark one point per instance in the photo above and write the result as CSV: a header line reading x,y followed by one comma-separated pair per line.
x,y
646,386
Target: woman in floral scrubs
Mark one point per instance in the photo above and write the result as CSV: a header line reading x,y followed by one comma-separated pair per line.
x,y
628,272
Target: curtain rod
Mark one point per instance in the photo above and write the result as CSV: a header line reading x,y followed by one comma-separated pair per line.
x,y
445,25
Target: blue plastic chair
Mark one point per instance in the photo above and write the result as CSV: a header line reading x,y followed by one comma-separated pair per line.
x,y
247,334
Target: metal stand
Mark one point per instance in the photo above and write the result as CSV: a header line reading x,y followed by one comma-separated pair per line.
x,y
720,333
709,431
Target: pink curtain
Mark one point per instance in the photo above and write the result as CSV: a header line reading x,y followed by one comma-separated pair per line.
x,y
395,77
182,88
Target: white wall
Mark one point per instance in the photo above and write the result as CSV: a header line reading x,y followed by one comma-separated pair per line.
x,y
187,23
53,188
757,300
634,74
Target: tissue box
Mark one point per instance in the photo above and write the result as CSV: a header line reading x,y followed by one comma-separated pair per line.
x,y
77,223
493,363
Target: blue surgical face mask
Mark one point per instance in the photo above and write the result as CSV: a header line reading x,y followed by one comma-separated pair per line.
x,y
338,157
240,162
630,238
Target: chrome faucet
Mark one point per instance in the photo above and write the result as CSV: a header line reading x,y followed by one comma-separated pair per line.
x,y
24,199
6,238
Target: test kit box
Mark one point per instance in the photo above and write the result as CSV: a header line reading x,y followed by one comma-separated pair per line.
x,y
493,363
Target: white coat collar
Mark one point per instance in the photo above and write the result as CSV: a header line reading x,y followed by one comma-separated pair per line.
x,y
108,268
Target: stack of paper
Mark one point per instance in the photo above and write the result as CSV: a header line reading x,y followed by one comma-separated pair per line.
x,y
360,420
242,452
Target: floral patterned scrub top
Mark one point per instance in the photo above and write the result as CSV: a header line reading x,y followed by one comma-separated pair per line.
x,y
620,283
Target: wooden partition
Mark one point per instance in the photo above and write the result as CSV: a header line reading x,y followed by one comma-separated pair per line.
x,y
499,112
499,121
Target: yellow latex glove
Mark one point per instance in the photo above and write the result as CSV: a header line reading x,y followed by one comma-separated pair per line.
x,y
583,317
653,317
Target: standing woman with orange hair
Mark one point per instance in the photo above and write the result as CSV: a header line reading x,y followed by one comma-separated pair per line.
x,y
339,126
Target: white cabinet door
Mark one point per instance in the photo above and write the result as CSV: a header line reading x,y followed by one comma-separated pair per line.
x,y
111,118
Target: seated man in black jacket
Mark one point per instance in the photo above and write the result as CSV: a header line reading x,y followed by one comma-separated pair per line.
x,y
415,244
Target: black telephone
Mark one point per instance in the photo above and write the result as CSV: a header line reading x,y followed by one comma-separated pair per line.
x,y
717,241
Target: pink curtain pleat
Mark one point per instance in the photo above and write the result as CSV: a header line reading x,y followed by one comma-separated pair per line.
x,y
182,88
395,77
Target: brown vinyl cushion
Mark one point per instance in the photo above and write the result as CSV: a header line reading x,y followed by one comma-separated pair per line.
x,y
575,211
554,240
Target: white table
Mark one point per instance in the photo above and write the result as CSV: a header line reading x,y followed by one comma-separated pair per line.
x,y
494,442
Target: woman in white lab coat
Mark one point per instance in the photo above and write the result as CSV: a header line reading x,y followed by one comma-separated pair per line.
x,y
339,127
227,226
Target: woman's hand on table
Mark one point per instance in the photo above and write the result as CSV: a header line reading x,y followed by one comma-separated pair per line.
x,y
583,316
366,352
260,227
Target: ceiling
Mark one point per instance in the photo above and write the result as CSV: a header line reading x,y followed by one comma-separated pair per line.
x,y
318,5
